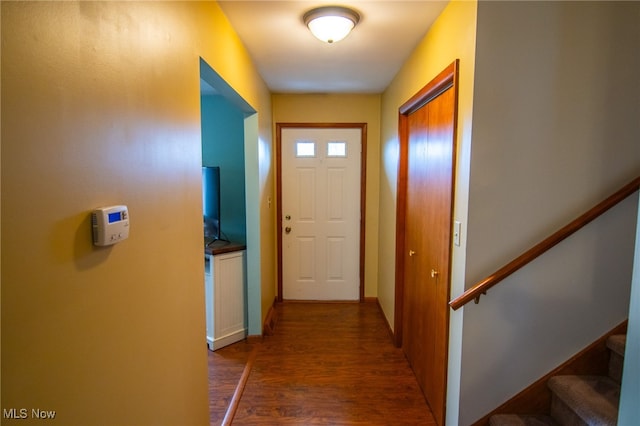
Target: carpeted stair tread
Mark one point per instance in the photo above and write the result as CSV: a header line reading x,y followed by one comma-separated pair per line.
x,y
521,420
617,343
594,399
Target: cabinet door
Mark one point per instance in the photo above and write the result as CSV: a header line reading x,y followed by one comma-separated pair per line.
x,y
229,298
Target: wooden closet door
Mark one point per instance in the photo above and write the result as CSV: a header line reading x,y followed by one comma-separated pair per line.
x,y
428,222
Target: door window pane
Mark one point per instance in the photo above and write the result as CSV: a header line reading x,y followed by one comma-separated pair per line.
x,y
305,149
336,149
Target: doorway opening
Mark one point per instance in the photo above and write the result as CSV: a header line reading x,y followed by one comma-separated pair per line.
x,y
238,146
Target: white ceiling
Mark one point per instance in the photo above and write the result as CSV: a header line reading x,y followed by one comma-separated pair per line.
x,y
291,60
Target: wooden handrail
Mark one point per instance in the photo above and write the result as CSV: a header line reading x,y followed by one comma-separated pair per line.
x,y
481,287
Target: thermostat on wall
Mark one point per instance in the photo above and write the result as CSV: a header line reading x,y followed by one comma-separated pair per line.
x,y
110,225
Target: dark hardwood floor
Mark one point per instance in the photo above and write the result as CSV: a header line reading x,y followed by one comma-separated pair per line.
x,y
226,366
325,364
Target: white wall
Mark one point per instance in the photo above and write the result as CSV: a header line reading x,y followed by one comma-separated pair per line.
x,y
555,130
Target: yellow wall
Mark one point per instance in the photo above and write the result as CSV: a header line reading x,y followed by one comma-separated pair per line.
x,y
0,219
101,106
451,37
341,108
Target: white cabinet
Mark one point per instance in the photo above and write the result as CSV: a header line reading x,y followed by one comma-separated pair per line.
x,y
225,292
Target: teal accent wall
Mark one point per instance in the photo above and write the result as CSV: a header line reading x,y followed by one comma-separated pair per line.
x,y
223,146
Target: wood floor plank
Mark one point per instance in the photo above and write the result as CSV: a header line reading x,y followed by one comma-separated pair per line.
x,y
233,404
226,366
330,363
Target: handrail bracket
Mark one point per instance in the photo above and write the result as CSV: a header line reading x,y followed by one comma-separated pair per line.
x,y
476,299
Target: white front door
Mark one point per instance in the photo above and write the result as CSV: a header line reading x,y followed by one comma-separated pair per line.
x,y
320,213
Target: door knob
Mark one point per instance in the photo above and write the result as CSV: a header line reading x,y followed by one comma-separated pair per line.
x,y
287,217
434,273
287,229
411,252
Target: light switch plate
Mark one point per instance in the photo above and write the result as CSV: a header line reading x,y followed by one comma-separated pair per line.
x,y
457,227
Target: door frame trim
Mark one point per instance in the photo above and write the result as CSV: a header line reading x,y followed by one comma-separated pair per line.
x,y
363,186
446,79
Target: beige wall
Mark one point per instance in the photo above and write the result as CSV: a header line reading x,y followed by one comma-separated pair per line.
x,y
101,106
555,130
338,108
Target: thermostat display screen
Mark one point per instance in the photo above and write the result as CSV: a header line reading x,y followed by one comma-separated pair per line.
x,y
115,217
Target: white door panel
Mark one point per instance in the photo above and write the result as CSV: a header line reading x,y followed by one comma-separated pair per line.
x,y
321,213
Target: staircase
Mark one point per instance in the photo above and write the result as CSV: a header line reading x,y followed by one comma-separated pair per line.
x,y
579,400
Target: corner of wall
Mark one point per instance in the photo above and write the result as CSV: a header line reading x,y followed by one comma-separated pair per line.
x,y
630,392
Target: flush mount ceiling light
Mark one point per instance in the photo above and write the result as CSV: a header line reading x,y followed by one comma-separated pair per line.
x,y
331,23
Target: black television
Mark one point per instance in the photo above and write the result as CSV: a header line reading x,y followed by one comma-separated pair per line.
x,y
211,203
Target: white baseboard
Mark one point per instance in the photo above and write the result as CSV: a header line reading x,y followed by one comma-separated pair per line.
x,y
223,341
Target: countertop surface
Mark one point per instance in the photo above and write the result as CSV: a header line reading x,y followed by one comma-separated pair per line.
x,y
222,246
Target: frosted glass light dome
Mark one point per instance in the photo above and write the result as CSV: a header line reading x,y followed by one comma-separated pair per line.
x,y
332,23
